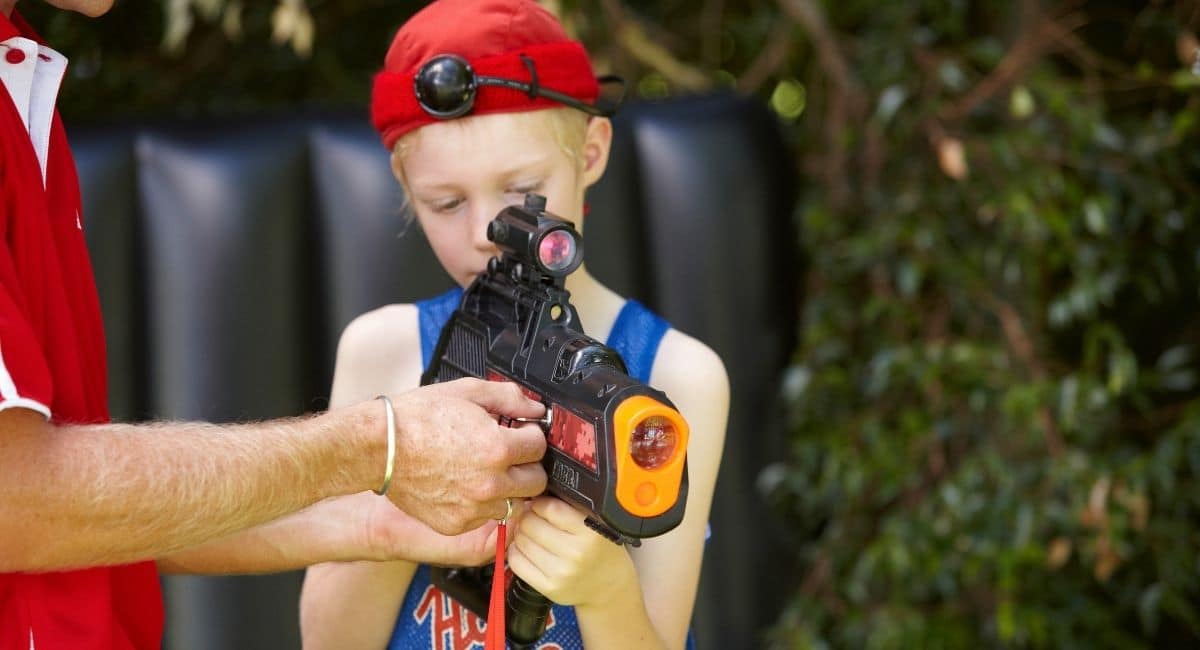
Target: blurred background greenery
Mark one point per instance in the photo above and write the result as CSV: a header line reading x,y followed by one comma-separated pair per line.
x,y
994,403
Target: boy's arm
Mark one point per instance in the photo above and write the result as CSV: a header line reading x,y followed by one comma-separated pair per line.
x,y
638,597
329,530
668,566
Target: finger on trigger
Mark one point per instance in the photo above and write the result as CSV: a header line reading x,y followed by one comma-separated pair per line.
x,y
525,444
526,479
519,405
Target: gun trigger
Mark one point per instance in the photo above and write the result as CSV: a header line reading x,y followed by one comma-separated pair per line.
x,y
545,421
610,534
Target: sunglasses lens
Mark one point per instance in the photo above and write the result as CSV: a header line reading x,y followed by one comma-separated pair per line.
x,y
445,87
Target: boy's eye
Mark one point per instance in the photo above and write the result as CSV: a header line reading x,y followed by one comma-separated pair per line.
x,y
525,188
446,205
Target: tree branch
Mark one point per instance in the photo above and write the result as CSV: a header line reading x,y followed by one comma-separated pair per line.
x,y
1040,34
770,57
1022,347
710,20
809,16
633,40
847,101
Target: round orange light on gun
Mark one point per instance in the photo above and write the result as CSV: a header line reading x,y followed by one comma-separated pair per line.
x,y
651,444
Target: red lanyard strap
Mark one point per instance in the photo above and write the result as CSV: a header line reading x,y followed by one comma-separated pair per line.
x,y
495,619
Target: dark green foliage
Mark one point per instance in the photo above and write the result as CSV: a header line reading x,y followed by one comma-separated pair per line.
x,y
997,430
119,67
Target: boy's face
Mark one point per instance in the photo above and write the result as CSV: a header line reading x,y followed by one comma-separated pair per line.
x,y
461,174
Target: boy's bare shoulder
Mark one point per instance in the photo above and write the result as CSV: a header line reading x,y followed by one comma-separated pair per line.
x,y
387,328
686,363
379,339
694,378
379,352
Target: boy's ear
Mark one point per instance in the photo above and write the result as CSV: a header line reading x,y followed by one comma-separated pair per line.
x,y
397,165
597,143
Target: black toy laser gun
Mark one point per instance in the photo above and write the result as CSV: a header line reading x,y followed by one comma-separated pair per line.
x,y
615,446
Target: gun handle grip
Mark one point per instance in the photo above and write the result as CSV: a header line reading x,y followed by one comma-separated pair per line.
x,y
525,614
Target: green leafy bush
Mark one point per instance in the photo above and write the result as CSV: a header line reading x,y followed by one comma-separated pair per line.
x,y
997,436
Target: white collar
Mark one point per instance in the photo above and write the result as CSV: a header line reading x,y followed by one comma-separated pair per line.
x,y
32,74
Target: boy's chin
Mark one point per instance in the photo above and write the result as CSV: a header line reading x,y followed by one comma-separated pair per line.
x,y
90,8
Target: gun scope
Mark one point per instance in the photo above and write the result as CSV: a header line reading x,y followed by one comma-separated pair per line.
x,y
530,235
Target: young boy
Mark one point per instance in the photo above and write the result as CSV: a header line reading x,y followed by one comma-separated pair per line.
x,y
461,155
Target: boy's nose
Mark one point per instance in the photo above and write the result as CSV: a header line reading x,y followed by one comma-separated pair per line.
x,y
480,219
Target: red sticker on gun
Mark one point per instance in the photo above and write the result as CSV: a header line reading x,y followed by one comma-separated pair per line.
x,y
569,433
575,436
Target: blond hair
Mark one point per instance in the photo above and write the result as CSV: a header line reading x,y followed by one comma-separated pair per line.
x,y
567,126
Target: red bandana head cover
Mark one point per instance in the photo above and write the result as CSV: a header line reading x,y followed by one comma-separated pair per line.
x,y
492,35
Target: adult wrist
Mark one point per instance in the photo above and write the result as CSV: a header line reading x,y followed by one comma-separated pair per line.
x,y
358,434
389,464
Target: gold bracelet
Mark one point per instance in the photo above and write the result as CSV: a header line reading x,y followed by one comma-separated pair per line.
x,y
391,448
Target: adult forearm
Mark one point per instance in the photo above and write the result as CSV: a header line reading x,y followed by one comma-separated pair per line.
x,y
88,495
315,534
342,529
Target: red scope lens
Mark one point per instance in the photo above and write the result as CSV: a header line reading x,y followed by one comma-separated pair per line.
x,y
557,250
653,442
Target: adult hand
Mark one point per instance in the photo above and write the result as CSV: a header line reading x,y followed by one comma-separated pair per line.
x,y
387,533
455,464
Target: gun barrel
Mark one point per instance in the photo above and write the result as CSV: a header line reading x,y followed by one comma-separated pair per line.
x,y
651,441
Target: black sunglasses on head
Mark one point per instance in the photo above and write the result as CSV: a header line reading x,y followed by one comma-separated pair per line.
x,y
446,87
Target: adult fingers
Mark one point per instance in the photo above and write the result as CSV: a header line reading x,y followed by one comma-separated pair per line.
x,y
525,480
503,398
520,512
481,519
523,444
472,548
499,509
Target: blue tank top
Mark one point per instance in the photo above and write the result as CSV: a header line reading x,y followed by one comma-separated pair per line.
x,y
431,620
